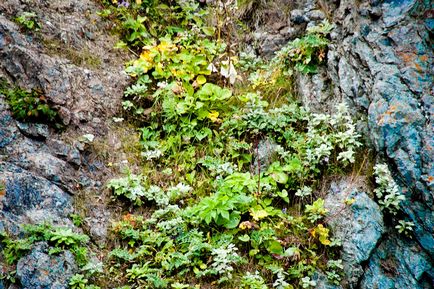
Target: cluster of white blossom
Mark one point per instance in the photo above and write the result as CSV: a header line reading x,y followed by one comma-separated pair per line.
x,y
280,282
304,192
253,281
151,154
387,190
327,132
224,258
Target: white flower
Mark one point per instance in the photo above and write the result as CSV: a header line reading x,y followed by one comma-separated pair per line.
x,y
306,282
162,84
183,188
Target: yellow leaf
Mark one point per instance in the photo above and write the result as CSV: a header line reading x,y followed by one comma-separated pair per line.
x,y
259,214
138,2
323,234
213,116
201,79
165,46
349,202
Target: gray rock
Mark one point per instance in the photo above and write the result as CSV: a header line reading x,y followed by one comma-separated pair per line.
x,y
26,192
298,17
315,15
7,126
78,93
98,223
65,151
314,90
359,226
271,43
39,270
34,130
264,155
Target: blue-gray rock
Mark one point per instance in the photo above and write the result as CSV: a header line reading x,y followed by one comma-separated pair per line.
x,y
7,126
398,263
34,130
39,270
358,226
315,15
26,192
30,198
80,94
384,66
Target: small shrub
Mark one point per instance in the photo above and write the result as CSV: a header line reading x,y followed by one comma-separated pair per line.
x,y
28,20
28,105
387,190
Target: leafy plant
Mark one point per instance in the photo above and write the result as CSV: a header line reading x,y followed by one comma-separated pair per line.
x,y
253,281
13,250
205,201
315,211
334,271
405,227
28,105
387,191
66,237
307,52
28,20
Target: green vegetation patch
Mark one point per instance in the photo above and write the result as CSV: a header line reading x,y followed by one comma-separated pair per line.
x,y
28,105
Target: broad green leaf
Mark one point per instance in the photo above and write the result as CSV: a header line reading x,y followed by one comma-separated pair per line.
x,y
244,238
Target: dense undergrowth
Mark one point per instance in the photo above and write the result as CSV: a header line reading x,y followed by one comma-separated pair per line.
x,y
216,212
231,163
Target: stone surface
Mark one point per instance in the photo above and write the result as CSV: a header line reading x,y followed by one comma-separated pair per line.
x,y
399,263
80,93
380,61
359,226
393,85
39,270
72,62
264,154
298,17
34,130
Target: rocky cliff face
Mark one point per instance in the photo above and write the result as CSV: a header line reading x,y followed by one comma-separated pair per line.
x,y
72,61
380,60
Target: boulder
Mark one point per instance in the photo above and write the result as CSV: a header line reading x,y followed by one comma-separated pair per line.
x,y
39,270
359,226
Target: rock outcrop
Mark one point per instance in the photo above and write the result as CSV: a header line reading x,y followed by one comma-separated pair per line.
x,y
71,61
